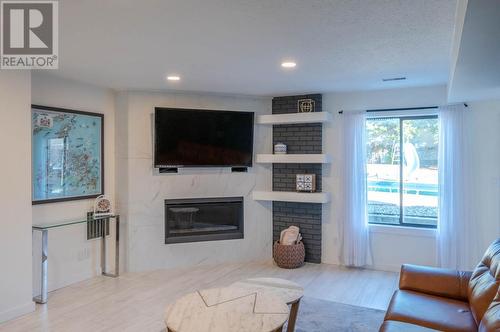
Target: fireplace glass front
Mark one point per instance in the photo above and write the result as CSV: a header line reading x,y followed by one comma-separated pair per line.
x,y
203,219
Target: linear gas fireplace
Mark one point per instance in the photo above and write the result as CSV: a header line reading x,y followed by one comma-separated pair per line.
x,y
203,219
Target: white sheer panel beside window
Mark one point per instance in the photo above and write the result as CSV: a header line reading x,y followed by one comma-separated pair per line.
x,y
457,238
355,234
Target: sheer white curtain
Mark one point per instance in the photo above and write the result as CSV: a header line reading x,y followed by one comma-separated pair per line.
x,y
355,235
456,239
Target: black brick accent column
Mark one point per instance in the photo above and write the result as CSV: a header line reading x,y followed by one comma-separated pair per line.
x,y
300,139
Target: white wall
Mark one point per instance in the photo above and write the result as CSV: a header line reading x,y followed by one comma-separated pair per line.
x,y
15,194
71,257
393,246
141,190
390,247
483,129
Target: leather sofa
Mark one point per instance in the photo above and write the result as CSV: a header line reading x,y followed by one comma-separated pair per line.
x,y
432,299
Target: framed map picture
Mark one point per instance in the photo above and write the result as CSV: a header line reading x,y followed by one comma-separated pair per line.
x,y
67,154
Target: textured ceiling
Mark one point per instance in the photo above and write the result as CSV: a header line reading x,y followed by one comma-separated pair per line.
x,y
236,46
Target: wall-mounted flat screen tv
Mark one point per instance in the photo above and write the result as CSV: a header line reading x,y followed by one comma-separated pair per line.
x,y
202,138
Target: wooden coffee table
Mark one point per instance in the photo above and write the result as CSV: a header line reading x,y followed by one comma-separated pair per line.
x,y
289,291
227,309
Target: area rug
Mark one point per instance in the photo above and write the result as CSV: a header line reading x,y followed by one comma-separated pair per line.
x,y
325,316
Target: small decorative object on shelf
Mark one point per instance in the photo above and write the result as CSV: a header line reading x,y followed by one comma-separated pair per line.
x,y
305,182
279,148
102,207
289,251
306,106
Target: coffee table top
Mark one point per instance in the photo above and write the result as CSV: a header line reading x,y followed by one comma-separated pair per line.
x,y
227,310
289,291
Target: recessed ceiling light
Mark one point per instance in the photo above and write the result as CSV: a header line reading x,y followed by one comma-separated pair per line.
x,y
393,79
173,78
288,64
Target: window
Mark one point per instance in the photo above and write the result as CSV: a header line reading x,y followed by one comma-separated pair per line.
x,y
402,170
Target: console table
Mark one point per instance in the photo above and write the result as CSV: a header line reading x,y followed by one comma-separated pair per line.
x,y
44,229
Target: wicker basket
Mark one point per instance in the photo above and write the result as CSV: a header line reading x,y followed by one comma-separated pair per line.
x,y
289,257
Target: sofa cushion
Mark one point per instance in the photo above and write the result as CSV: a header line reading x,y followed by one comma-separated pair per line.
x,y
435,281
484,282
395,326
430,311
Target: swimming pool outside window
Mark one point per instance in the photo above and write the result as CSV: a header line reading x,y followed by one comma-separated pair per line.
x,y
402,170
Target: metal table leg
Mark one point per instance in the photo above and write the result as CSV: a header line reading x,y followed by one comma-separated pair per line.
x,y
43,282
117,250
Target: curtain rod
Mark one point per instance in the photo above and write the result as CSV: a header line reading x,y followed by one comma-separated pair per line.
x,y
401,109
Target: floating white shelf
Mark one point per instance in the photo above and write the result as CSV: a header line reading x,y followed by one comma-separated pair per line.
x,y
294,118
286,196
294,158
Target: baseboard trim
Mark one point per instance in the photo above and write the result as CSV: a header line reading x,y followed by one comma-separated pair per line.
x,y
17,311
385,267
376,267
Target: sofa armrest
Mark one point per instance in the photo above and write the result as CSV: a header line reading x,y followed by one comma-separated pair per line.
x,y
435,281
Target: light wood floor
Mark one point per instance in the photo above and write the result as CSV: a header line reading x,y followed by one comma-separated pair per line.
x,y
136,301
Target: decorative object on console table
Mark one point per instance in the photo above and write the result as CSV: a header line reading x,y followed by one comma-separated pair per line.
x,y
306,105
102,207
306,182
280,148
96,226
67,154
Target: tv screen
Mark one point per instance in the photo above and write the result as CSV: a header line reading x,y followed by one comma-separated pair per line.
x,y
198,138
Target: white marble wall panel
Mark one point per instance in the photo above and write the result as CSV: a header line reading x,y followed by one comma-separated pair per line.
x,y
141,190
